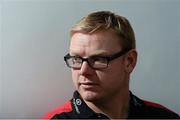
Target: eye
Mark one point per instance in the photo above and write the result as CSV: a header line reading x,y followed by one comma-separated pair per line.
x,y
74,62
98,62
76,59
98,59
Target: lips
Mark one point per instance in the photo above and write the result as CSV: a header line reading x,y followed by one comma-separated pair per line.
x,y
88,85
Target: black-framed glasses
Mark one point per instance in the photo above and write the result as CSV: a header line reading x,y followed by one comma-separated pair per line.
x,y
95,62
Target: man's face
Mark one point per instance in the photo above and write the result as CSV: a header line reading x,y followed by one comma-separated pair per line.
x,y
96,85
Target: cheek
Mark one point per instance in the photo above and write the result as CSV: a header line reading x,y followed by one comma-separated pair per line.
x,y
114,75
75,77
113,81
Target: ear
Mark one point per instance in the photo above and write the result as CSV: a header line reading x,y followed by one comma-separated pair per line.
x,y
130,60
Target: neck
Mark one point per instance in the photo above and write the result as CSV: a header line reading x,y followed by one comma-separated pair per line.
x,y
116,107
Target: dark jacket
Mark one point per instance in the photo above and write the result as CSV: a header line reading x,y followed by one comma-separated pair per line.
x,y
76,108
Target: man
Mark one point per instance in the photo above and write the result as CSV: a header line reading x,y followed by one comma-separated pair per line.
x,y
102,56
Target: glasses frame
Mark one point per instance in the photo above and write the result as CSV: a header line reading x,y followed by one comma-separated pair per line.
x,y
108,58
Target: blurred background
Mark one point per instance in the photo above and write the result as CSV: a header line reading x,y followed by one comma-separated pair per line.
x,y
34,37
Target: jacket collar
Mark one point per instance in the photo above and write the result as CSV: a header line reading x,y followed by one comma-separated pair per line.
x,y
83,111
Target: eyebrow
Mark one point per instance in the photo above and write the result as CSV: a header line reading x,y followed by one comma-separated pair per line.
x,y
99,53
95,53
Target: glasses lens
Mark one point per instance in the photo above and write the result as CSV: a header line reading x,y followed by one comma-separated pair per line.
x,y
74,62
98,62
95,62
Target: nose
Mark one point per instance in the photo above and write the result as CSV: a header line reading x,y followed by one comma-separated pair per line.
x,y
86,69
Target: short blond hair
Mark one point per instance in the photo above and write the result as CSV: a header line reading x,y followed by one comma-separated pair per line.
x,y
105,20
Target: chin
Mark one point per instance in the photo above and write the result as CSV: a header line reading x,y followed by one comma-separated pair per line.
x,y
89,95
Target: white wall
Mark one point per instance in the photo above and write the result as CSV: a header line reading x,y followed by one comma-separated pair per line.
x,y
34,38
1,78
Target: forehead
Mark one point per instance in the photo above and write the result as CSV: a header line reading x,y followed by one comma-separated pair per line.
x,y
95,43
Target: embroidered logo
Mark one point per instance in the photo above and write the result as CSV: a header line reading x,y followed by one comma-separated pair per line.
x,y
75,106
78,101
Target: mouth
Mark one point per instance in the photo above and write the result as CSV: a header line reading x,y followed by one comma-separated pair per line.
x,y
88,85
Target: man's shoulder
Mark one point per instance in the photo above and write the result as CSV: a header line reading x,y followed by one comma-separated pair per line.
x,y
159,111
155,105
62,109
147,109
